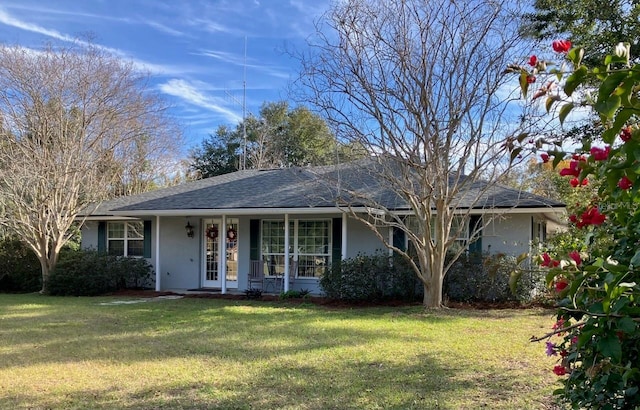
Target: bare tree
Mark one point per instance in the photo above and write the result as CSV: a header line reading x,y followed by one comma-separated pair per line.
x,y
420,83
70,118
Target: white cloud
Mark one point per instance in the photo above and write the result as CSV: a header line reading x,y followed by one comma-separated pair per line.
x,y
191,94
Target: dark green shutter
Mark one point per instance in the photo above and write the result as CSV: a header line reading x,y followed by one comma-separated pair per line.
x,y
254,239
336,240
147,239
399,240
102,236
475,222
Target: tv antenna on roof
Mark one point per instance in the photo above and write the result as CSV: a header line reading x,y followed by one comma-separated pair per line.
x,y
243,163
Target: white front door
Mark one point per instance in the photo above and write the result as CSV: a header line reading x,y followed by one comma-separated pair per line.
x,y
213,258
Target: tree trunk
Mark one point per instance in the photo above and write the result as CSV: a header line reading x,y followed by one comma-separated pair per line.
x,y
45,277
433,294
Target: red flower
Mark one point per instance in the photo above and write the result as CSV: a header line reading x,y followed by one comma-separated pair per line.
x,y
564,353
573,170
575,182
625,134
531,79
548,262
575,255
560,370
561,46
600,154
584,182
578,157
561,285
591,217
533,61
625,183
573,218
545,157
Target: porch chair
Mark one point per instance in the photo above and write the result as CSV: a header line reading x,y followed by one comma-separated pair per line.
x,y
256,273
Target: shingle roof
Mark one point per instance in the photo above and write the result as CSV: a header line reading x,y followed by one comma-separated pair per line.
x,y
314,187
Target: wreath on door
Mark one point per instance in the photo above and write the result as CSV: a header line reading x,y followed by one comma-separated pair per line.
x,y
212,232
231,234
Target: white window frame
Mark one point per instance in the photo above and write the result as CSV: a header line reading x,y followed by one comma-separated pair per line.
x,y
294,248
126,239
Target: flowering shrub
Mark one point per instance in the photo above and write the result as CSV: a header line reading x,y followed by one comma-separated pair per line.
x,y
596,336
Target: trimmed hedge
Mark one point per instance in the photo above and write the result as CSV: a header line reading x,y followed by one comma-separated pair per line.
x,y
90,273
472,278
371,277
20,269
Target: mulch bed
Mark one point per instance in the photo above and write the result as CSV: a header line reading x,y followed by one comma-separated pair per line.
x,y
330,303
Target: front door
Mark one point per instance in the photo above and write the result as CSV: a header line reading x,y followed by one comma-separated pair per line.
x,y
213,258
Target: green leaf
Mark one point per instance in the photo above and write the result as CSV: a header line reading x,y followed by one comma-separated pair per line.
x,y
515,153
564,111
549,103
635,261
607,108
626,325
575,55
610,84
575,79
609,346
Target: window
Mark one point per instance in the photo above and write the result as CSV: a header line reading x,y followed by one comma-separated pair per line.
x,y
309,244
125,238
459,230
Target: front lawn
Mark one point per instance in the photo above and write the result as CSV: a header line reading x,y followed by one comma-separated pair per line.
x,y
190,353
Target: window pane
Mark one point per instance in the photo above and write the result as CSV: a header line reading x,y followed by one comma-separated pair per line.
x,y
135,247
116,247
135,230
116,230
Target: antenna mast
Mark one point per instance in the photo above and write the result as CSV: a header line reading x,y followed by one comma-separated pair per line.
x,y
244,107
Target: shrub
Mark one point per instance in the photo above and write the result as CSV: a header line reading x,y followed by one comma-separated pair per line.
x,y
89,273
485,278
370,277
19,267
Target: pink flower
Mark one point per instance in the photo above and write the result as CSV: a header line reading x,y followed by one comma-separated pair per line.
x,y
575,255
561,46
531,79
551,349
625,183
625,134
545,157
560,370
600,154
533,61
573,170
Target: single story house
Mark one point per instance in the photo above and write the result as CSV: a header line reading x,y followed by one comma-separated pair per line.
x,y
211,233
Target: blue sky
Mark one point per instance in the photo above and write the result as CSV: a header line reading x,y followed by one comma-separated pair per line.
x,y
194,49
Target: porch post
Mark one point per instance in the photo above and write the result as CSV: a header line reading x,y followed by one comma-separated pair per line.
x,y
344,236
158,271
390,239
285,286
223,255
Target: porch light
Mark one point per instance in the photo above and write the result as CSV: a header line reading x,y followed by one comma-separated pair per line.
x,y
189,229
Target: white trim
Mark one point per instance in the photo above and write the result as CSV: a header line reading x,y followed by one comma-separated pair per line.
x,y
285,284
222,255
158,274
312,210
239,211
108,218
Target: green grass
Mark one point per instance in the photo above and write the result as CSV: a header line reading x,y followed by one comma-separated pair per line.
x,y
201,353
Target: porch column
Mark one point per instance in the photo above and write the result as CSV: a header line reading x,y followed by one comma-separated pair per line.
x,y
390,239
223,255
344,236
158,270
285,286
